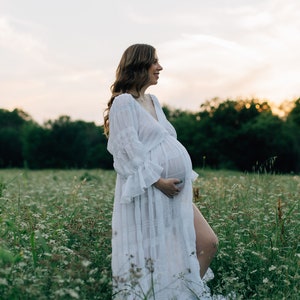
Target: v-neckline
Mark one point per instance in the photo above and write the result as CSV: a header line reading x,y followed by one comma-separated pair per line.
x,y
155,111
154,106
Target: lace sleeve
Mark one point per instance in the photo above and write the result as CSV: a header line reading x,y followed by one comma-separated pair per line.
x,y
128,152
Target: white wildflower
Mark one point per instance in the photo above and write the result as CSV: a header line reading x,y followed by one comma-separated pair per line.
x,y
272,268
3,281
85,263
72,293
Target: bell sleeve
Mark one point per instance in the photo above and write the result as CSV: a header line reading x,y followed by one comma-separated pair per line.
x,y
129,154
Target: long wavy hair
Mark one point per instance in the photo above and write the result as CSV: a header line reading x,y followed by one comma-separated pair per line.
x,y
131,75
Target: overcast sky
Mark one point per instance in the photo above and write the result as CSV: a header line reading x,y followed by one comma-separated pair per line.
x,y
58,57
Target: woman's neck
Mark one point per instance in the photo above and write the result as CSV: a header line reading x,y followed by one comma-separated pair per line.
x,y
136,94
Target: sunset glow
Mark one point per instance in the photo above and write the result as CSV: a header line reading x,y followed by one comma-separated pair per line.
x,y
59,57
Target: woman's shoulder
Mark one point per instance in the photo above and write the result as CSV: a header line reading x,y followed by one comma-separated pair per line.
x,y
123,100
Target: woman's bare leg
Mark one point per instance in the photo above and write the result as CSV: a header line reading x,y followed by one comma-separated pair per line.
x,y
206,241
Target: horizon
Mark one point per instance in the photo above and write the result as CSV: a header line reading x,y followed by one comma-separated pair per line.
x,y
277,109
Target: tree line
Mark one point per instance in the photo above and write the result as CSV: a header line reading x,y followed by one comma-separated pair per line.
x,y
242,135
61,143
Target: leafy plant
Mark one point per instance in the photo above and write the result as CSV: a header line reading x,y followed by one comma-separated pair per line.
x,y
55,233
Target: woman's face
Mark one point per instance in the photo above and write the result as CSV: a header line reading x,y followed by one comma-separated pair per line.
x,y
153,71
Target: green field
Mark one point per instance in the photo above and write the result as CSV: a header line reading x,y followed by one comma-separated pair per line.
x,y
55,233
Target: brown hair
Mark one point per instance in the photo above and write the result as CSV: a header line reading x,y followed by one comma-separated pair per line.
x,y
131,75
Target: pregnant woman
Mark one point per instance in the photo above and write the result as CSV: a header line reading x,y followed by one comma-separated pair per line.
x,y
161,244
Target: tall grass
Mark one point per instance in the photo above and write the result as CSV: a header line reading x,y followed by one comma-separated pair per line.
x,y
55,233
257,221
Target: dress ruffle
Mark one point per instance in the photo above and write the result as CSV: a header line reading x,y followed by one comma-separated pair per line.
x,y
143,178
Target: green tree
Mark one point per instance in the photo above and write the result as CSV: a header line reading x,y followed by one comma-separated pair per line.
x,y
10,147
294,115
266,145
293,125
242,134
77,144
97,155
36,147
11,125
218,128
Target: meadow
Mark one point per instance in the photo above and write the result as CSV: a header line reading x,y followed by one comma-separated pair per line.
x,y
55,233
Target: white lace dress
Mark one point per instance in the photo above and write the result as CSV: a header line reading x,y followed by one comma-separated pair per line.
x,y
153,236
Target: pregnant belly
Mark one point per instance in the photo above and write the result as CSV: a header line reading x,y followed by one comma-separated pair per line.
x,y
174,159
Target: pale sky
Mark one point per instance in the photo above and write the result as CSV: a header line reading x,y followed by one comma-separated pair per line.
x,y
58,57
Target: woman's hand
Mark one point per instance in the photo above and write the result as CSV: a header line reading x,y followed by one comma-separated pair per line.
x,y
168,186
